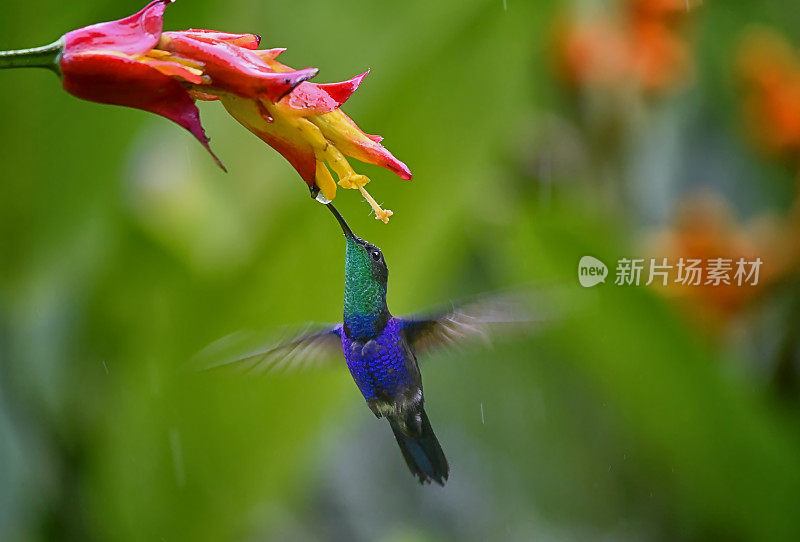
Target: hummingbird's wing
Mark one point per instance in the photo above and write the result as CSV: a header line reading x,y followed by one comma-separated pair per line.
x,y
314,346
479,318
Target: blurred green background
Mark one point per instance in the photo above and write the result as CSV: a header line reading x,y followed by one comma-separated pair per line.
x,y
124,251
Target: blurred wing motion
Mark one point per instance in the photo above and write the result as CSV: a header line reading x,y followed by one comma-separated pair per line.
x,y
479,318
314,347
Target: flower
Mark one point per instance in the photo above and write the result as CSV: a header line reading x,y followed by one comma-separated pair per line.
x,y
641,46
315,136
704,229
119,63
132,62
770,69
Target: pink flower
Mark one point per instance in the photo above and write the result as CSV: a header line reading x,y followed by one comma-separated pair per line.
x,y
132,62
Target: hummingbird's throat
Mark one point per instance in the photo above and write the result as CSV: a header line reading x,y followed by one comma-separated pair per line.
x,y
364,296
364,305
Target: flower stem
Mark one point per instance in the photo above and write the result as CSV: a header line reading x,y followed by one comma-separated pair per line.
x,y
38,57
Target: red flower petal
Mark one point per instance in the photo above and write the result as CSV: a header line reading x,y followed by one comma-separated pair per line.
x,y
235,69
279,132
133,35
248,41
323,98
300,156
345,134
270,54
118,80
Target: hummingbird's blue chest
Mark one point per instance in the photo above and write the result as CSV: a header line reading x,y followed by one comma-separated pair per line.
x,y
379,365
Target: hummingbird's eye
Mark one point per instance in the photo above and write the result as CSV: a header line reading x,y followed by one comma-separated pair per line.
x,y
375,255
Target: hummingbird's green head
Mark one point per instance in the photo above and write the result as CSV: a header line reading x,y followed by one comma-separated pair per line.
x,y
365,283
364,263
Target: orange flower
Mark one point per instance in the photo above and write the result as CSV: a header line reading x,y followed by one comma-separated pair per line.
x,y
659,56
704,229
593,54
660,9
770,69
641,46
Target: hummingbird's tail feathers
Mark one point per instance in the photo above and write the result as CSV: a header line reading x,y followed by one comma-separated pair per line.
x,y
422,452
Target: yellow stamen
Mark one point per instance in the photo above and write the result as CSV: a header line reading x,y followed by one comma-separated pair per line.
x,y
195,71
380,214
157,53
328,156
310,133
169,57
325,181
338,163
353,181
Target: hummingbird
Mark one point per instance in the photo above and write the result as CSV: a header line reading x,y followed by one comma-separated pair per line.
x,y
381,350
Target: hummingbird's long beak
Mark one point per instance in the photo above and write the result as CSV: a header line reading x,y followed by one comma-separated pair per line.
x,y
345,228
